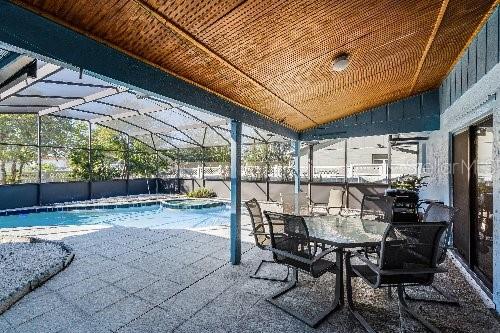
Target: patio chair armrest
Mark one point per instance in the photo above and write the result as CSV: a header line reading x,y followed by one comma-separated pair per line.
x,y
291,256
324,253
367,261
259,233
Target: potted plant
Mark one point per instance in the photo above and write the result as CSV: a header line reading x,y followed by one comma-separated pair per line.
x,y
409,183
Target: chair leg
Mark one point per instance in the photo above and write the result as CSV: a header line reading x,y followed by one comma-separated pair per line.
x,y
350,302
405,307
256,276
293,283
448,298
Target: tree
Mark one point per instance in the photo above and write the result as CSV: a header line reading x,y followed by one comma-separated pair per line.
x,y
17,129
109,149
208,154
109,157
278,153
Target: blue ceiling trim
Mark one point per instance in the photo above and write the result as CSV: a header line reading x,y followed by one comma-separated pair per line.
x,y
40,36
415,114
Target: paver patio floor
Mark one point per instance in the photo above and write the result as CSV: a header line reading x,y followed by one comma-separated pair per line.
x,y
166,280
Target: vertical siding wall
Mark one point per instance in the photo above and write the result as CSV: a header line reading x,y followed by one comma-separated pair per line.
x,y
480,57
467,95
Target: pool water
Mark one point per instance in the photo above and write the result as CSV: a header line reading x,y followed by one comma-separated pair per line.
x,y
141,217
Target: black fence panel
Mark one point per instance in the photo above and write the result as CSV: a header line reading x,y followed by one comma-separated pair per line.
x,y
141,186
51,193
110,188
16,196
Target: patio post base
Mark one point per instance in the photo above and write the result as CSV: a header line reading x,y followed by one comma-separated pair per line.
x,y
310,322
448,298
256,276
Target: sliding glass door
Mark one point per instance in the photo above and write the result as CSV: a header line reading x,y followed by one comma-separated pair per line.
x,y
473,198
482,199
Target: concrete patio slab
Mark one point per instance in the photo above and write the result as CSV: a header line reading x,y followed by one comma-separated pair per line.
x,y
177,288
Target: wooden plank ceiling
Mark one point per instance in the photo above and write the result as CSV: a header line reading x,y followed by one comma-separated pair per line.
x,y
274,57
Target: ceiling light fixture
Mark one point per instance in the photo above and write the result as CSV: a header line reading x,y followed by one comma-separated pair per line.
x,y
340,62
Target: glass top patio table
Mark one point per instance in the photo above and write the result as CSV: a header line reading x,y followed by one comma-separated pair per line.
x,y
345,231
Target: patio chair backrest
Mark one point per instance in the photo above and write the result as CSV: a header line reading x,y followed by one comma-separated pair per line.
x,y
377,207
288,202
258,226
289,233
437,212
336,199
411,246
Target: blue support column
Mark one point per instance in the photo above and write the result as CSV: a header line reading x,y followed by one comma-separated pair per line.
x,y
296,174
235,192
496,204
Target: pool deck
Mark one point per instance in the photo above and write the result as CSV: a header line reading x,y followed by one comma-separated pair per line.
x,y
170,280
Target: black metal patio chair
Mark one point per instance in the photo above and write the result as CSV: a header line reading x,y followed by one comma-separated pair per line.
x,y
408,257
377,207
292,246
436,212
262,238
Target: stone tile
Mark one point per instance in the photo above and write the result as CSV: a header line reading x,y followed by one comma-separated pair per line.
x,y
67,277
155,247
136,282
156,320
189,257
30,307
82,288
111,251
187,275
191,327
209,263
100,299
4,325
159,291
53,321
122,312
129,257
85,326
118,273
189,301
225,311
173,253
157,264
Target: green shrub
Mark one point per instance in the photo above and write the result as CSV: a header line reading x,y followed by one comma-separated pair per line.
x,y
202,193
409,182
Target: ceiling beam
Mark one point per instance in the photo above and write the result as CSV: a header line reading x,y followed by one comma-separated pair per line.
x,y
59,43
439,19
82,100
196,126
187,113
41,73
128,113
79,84
186,36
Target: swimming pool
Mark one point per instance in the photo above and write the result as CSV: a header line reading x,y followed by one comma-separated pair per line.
x,y
153,216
